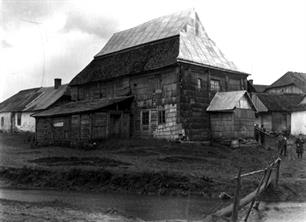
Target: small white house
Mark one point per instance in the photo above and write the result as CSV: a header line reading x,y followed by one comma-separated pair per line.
x,y
16,111
298,119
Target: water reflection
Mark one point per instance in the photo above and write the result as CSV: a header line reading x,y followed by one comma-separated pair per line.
x,y
144,207
279,212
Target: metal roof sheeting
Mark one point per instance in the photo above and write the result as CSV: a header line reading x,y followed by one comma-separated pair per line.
x,y
155,29
48,96
33,99
227,101
81,106
204,51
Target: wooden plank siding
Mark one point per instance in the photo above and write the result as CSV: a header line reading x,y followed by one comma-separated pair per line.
x,y
194,100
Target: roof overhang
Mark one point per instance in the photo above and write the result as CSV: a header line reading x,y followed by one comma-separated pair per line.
x,y
82,107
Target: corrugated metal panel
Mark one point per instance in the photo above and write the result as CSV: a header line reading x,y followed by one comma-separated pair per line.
x,y
80,106
227,101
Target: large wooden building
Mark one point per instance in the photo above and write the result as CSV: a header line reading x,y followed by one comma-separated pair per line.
x,y
156,79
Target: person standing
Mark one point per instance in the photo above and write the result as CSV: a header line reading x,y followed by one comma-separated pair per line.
x,y
282,145
299,146
262,134
256,133
290,148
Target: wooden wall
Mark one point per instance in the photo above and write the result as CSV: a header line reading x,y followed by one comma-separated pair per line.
x,y
153,92
194,101
81,129
232,125
172,89
285,89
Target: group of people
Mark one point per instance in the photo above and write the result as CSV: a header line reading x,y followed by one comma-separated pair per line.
x,y
289,145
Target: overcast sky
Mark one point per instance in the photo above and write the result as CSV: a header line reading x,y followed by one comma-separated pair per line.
x,y
41,40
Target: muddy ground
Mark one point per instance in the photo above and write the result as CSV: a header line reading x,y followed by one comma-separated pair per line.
x,y
144,166
15,211
154,167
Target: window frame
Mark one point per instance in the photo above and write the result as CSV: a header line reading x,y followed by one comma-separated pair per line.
x,y
213,83
161,117
199,83
2,121
18,118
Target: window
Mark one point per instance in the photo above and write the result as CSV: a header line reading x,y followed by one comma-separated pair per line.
x,y
215,85
161,117
18,119
2,121
58,124
145,118
199,84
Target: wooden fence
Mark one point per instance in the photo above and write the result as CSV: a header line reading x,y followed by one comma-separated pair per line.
x,y
252,198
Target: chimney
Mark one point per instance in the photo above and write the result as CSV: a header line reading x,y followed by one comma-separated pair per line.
x,y
57,83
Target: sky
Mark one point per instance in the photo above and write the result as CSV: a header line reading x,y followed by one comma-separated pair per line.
x,y
42,40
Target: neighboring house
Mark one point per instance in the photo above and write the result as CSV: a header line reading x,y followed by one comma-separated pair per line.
x,y
274,111
260,88
232,115
298,119
156,79
291,82
16,111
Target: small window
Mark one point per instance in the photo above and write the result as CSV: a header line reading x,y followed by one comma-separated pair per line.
x,y
215,85
145,118
2,121
199,84
58,124
161,117
18,119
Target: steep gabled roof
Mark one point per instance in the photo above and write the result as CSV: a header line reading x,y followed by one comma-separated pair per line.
x,y
291,78
228,101
33,99
157,43
280,103
153,30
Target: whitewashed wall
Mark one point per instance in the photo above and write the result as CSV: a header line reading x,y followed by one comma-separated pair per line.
x,y
298,123
7,122
27,122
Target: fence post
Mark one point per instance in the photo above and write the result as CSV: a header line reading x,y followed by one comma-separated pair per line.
x,y
236,199
256,196
277,172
